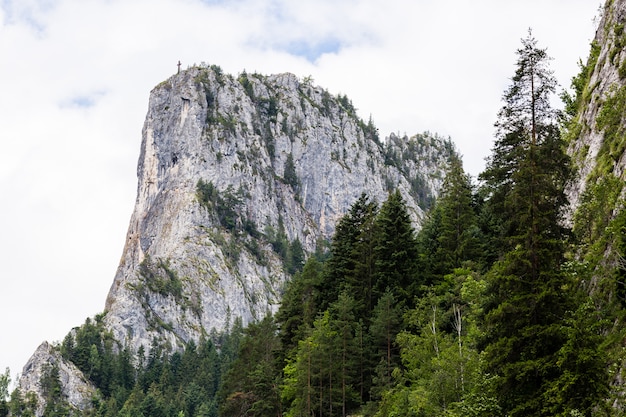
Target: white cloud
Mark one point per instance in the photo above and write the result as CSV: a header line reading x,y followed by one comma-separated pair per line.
x,y
76,75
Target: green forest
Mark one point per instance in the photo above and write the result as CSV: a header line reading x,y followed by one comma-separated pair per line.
x,y
495,307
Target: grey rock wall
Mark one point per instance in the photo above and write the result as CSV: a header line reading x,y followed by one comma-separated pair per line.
x,y
76,389
238,134
604,82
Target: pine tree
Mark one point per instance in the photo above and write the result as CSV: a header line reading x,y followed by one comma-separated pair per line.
x,y
360,282
450,235
350,265
5,379
395,251
250,386
458,239
310,383
528,169
298,307
345,325
525,178
385,326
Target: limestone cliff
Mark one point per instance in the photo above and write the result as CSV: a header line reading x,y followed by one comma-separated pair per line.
x,y
597,139
597,144
231,170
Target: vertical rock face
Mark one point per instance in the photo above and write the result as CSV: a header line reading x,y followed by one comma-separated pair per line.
x,y
235,176
597,144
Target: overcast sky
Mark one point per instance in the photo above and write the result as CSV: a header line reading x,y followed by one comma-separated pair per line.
x,y
75,77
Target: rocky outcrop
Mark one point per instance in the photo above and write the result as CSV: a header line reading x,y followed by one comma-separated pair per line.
x,y
597,145
76,390
236,175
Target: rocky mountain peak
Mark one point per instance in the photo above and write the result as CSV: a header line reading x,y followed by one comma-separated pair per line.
x,y
239,177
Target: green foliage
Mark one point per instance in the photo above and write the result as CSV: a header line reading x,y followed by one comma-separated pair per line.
x,y
56,405
226,205
203,85
582,363
450,235
527,341
92,350
441,371
396,250
611,121
339,320
596,210
163,384
227,210
386,323
351,264
619,41
229,123
22,405
298,307
291,253
370,131
160,278
346,104
290,176
5,379
247,85
318,378
251,386
580,84
269,107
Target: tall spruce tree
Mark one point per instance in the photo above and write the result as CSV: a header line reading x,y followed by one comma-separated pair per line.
x,y
458,239
251,386
298,308
395,251
450,236
525,180
350,266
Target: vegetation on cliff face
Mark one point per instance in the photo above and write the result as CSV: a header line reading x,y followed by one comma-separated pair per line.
x,y
599,223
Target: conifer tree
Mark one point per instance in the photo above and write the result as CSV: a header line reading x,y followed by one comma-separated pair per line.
x,y
450,235
525,178
345,325
395,251
385,326
458,239
250,387
350,265
528,169
4,392
298,307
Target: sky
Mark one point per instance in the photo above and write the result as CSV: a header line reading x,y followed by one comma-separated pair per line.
x,y
75,78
